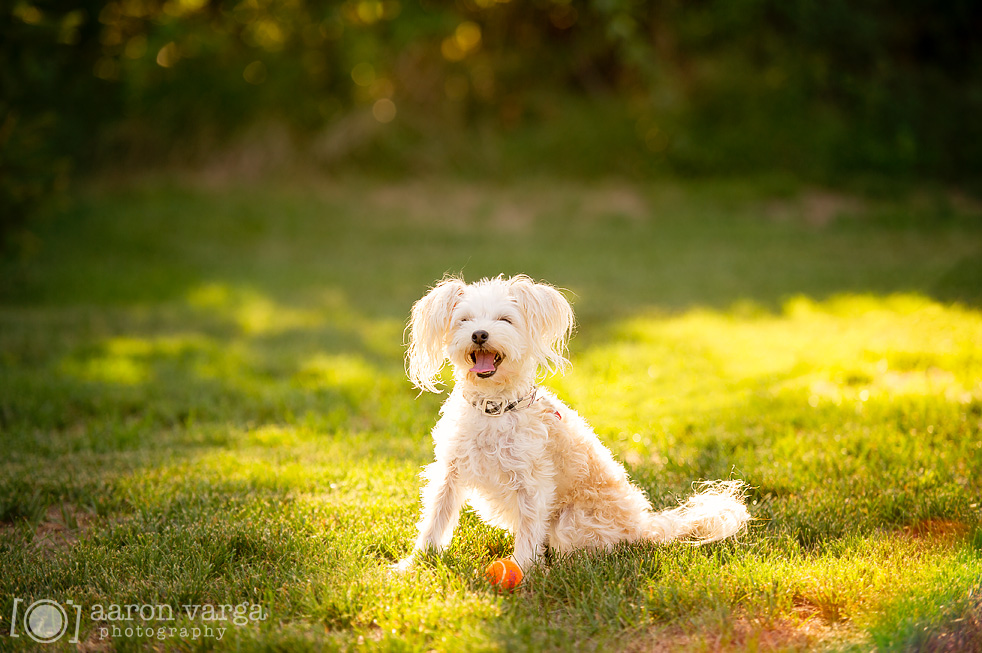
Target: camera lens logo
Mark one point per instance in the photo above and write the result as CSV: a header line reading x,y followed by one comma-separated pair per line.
x,y
45,621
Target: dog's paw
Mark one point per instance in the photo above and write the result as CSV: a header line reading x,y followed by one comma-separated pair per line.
x,y
403,565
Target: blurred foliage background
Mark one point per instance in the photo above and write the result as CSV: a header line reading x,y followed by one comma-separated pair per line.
x,y
825,91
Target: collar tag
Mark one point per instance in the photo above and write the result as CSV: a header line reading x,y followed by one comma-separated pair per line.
x,y
493,408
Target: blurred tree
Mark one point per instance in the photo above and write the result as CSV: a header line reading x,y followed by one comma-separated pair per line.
x,y
822,89
51,107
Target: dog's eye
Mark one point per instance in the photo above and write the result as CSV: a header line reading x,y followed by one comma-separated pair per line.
x,y
505,319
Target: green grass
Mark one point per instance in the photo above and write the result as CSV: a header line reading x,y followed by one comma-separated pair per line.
x,y
202,402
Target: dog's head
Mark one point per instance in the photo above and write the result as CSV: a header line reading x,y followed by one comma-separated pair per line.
x,y
496,332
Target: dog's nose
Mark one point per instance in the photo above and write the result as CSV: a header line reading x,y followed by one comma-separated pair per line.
x,y
479,337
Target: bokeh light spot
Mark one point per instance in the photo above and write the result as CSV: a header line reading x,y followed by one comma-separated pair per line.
x,y
178,8
28,13
370,11
267,34
468,35
168,55
384,110
466,38
255,73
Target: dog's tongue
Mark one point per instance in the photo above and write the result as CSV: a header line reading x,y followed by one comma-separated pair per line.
x,y
483,362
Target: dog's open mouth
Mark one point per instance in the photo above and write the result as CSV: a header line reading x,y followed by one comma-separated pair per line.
x,y
485,361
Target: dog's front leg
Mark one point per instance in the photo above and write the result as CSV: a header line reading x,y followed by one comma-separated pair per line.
x,y
443,497
530,532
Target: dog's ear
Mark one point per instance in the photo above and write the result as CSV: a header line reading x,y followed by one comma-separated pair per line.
x,y
428,328
549,317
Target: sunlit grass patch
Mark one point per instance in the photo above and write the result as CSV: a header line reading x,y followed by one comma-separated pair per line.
x,y
725,594
250,310
937,611
339,370
846,349
127,360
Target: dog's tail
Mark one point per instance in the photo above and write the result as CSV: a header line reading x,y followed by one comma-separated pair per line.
x,y
715,512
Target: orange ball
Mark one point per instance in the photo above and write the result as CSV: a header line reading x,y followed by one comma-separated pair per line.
x,y
504,573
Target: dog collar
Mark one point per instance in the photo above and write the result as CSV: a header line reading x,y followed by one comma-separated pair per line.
x,y
498,408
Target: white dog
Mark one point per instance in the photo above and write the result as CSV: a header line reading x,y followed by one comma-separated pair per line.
x,y
524,460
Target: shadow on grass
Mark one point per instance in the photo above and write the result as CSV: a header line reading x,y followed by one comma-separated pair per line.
x,y
618,247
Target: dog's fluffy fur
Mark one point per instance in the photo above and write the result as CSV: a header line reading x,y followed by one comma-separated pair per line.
x,y
539,470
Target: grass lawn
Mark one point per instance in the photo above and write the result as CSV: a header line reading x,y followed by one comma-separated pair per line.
x,y
203,403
